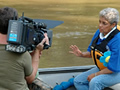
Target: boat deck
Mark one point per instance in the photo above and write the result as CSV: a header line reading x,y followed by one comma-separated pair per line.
x,y
49,77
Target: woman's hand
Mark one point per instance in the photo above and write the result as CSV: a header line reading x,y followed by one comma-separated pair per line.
x,y
75,51
90,77
103,71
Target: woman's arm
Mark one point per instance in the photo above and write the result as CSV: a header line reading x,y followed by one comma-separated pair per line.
x,y
104,71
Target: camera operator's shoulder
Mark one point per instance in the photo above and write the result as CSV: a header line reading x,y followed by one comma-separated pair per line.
x,y
26,55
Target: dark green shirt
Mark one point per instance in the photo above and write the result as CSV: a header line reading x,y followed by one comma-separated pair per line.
x,y
13,69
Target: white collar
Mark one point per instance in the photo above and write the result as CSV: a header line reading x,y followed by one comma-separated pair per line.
x,y
102,36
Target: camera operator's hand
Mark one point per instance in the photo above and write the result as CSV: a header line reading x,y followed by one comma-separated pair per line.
x,y
41,44
47,40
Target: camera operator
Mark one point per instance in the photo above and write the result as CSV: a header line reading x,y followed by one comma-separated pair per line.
x,y
16,70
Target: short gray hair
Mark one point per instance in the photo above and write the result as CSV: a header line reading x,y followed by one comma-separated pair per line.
x,y
110,14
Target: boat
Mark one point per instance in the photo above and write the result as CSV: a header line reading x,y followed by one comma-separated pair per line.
x,y
48,78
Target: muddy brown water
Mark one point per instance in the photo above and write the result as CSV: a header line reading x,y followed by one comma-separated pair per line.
x,y
80,22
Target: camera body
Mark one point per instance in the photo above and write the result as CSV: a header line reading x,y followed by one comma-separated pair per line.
x,y
25,34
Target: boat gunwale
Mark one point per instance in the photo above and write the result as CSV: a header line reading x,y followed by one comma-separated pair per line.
x,y
64,69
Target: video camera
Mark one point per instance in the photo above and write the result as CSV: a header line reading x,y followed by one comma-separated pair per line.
x,y
25,34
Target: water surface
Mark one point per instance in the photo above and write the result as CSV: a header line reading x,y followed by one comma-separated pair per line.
x,y
80,22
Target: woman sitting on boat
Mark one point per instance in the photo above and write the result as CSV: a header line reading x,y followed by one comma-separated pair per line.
x,y
105,51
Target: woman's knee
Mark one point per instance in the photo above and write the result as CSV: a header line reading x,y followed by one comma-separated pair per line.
x,y
80,84
80,80
76,79
76,83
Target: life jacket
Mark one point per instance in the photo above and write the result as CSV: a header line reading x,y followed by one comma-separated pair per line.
x,y
97,50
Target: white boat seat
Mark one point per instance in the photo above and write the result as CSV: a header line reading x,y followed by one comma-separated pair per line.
x,y
116,86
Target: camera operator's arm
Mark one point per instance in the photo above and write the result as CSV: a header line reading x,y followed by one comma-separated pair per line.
x,y
35,59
